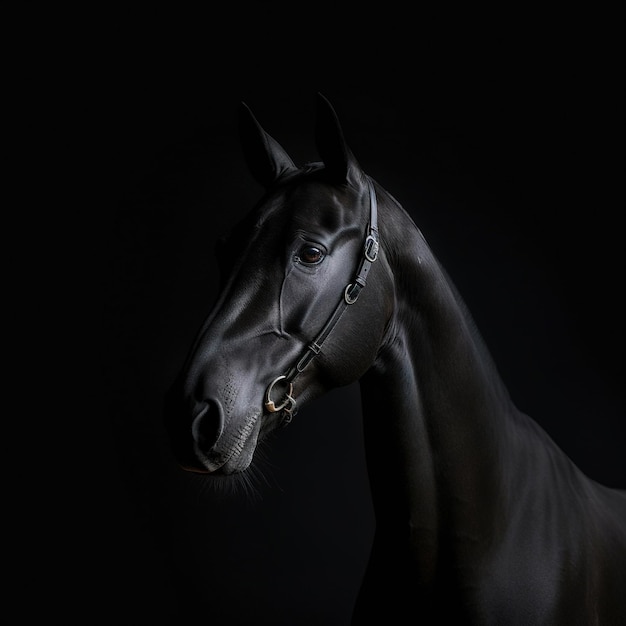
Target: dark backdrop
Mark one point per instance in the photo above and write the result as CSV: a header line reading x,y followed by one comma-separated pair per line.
x,y
500,132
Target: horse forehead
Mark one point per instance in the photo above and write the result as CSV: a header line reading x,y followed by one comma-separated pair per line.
x,y
320,204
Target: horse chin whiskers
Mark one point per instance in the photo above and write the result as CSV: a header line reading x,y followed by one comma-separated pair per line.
x,y
246,484
235,485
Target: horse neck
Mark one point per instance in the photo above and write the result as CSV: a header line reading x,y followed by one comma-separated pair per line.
x,y
434,405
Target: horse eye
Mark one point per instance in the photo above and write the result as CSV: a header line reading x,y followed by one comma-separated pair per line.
x,y
310,255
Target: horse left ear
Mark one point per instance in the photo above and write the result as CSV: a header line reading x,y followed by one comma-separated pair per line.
x,y
267,160
340,163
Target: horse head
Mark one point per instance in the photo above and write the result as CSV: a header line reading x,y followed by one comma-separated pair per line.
x,y
293,318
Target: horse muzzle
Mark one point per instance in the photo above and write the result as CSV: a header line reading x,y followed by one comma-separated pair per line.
x,y
213,441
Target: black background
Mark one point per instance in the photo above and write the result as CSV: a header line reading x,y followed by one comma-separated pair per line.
x,y
501,132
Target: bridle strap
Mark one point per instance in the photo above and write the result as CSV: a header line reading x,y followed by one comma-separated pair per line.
x,y
351,292
350,296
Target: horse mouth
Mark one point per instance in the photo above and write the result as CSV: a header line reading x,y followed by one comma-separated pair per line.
x,y
199,468
194,469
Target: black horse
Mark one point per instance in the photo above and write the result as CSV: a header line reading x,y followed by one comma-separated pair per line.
x,y
480,517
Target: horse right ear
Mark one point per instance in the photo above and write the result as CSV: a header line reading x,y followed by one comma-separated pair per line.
x,y
338,159
265,157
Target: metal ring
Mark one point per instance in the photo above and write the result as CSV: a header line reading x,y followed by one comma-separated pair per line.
x,y
349,299
269,403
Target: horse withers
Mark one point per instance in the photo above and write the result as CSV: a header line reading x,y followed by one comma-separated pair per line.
x,y
480,517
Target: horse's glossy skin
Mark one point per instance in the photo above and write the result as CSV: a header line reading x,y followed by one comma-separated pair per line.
x,y
480,518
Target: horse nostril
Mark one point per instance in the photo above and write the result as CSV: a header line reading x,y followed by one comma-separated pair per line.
x,y
207,426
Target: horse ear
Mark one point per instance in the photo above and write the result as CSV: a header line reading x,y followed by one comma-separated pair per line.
x,y
265,157
331,145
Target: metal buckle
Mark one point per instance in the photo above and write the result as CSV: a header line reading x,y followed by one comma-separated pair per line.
x,y
288,414
371,248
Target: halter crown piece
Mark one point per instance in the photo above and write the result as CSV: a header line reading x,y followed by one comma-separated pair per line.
x,y
350,295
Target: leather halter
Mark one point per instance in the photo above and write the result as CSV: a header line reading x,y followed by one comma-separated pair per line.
x,y
350,296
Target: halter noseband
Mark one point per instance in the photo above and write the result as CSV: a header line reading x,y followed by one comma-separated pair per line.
x,y
350,296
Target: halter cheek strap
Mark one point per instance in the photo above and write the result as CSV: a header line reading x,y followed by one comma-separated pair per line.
x,y
350,295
